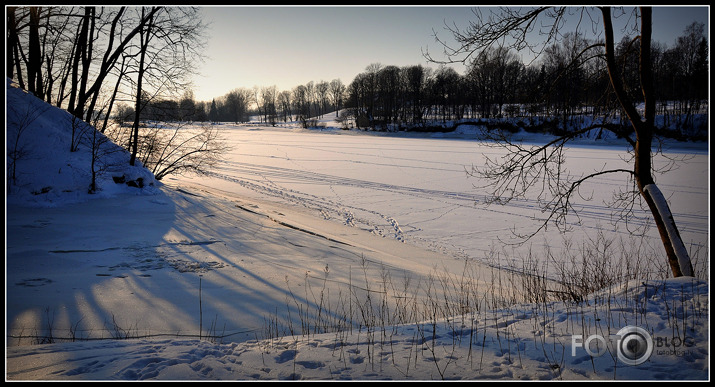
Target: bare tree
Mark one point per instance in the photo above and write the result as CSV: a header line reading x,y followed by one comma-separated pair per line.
x,y
337,92
12,46
284,100
416,79
34,64
79,130
85,90
100,147
25,45
144,39
174,148
495,73
322,89
170,41
310,99
257,99
187,107
235,106
269,96
542,167
301,102
112,100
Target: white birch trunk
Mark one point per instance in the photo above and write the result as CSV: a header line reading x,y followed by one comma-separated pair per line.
x,y
676,241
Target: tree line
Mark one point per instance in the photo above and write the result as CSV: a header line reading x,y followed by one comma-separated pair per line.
x,y
313,99
565,84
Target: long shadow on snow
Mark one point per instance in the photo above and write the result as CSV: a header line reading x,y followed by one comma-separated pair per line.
x,y
172,265
267,267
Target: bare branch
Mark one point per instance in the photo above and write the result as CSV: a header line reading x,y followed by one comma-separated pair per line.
x,y
521,170
510,27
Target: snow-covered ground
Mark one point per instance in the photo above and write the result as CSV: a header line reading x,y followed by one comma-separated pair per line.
x,y
325,254
415,188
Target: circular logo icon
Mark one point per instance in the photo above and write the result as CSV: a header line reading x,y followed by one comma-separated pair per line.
x,y
634,346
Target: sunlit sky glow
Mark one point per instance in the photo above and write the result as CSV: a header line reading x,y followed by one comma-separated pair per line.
x,y
288,46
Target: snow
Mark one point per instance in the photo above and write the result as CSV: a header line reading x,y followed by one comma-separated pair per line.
x,y
247,273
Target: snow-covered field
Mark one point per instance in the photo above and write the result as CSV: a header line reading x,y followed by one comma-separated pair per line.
x,y
416,189
329,255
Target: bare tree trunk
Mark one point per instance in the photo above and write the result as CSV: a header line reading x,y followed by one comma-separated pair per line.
x,y
80,48
144,37
114,96
34,63
86,59
672,242
11,60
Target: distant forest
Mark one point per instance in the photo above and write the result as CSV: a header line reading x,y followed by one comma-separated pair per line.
x,y
136,63
564,85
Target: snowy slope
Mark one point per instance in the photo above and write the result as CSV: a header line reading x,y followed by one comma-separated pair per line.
x,y
47,172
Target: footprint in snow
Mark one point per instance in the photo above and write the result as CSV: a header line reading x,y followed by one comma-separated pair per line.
x,y
285,356
33,282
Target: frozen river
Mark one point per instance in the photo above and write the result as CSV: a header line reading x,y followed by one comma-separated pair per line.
x,y
417,190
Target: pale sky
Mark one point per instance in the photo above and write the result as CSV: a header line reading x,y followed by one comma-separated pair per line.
x,y
291,46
